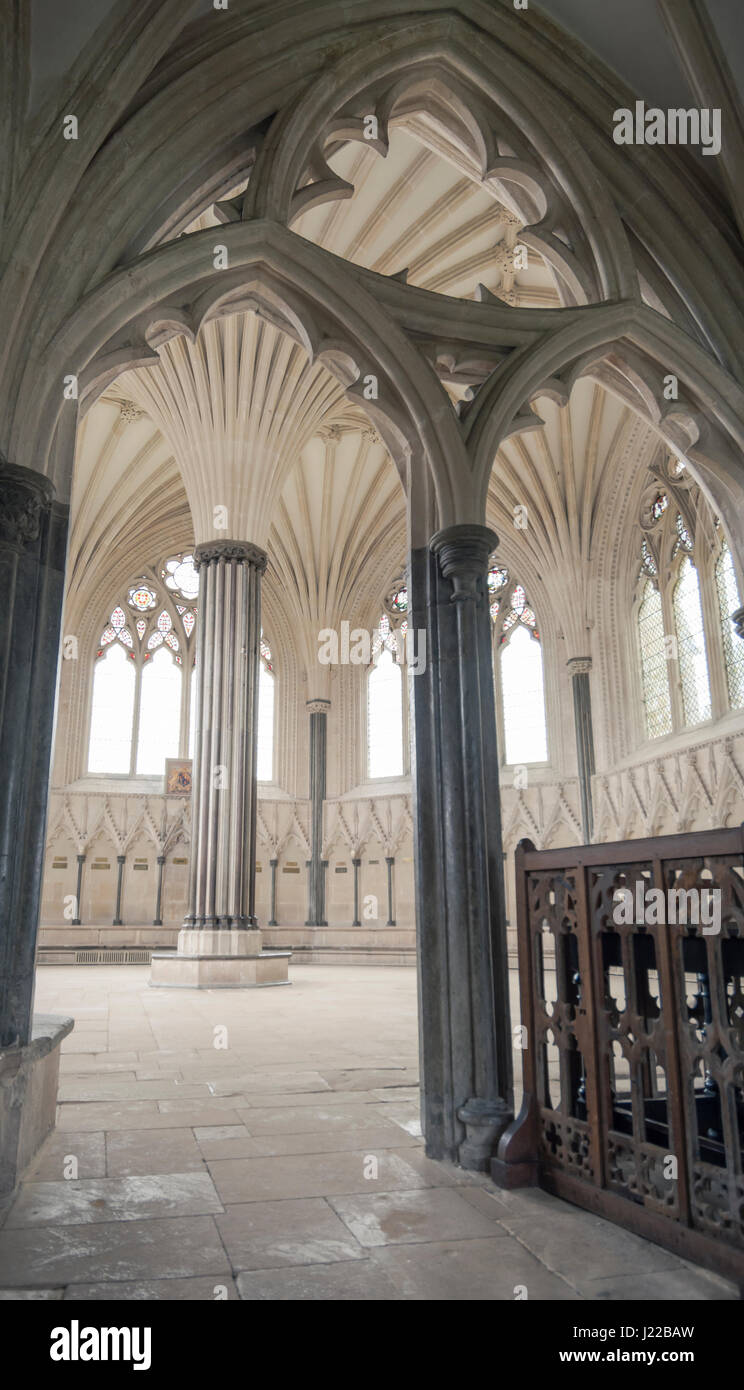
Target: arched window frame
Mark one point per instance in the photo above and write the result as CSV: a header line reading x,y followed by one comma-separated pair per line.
x,y
142,623
390,635
677,523
268,664
502,588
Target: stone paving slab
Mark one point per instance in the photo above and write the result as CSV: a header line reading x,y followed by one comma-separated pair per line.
x,y
179,1247
25,1294
688,1284
50,1163
268,1235
311,1118
336,1141
113,1199
139,1152
311,1175
216,1289
361,1079
360,1282
485,1270
125,1089
429,1214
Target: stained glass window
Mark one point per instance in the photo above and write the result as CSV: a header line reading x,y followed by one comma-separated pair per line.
x,y
659,505
265,734
385,717
181,576
519,611
142,598
114,680
654,671
685,538
192,712
160,649
693,662
523,698
648,563
160,715
733,646
498,578
384,638
399,600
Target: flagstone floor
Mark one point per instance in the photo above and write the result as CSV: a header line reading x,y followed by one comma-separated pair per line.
x,y
265,1145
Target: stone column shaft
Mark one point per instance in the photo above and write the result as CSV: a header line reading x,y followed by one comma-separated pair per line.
x,y
77,919
158,918
318,739
579,668
357,865
272,920
466,1058
223,862
120,860
33,537
390,862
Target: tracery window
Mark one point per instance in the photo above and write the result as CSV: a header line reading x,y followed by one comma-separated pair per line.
x,y
144,695
385,689
143,683
519,670
265,740
686,577
729,600
693,662
656,700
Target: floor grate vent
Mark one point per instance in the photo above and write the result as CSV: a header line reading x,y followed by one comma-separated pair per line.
x,y
96,955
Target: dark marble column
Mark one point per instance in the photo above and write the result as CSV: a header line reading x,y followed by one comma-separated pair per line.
x,y
223,859
121,861
33,538
466,1057
158,918
318,735
390,862
357,863
272,920
737,619
579,668
77,919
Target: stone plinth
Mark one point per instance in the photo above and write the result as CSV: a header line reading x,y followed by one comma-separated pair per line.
x,y
218,958
28,1097
218,941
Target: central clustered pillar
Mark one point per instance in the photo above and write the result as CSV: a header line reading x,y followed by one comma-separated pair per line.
x,y
466,1061
219,944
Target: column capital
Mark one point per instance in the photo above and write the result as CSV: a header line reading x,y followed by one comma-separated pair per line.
x,y
209,551
737,619
24,497
463,553
317,706
579,665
